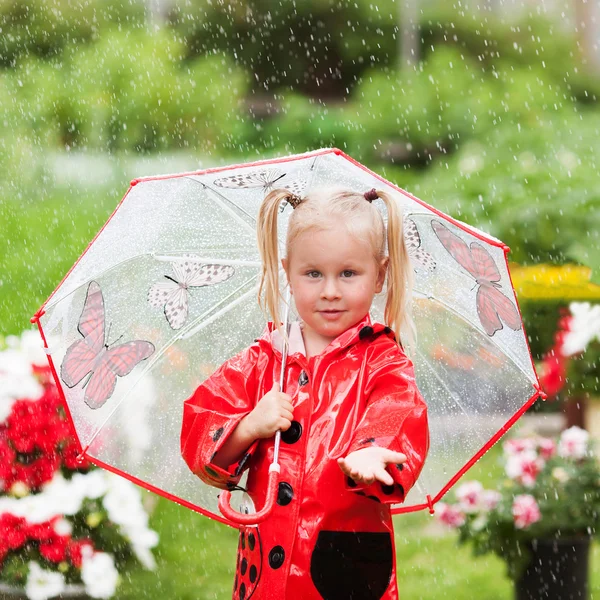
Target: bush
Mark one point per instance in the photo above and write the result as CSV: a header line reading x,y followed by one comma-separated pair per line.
x,y
128,91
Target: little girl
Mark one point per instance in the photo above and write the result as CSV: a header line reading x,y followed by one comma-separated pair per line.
x,y
354,425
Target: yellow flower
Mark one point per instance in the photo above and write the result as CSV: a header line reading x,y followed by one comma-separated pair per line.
x,y
550,282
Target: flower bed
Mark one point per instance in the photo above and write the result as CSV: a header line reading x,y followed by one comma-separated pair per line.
x,y
61,521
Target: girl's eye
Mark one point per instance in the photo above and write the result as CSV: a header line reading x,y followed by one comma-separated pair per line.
x,y
313,274
347,273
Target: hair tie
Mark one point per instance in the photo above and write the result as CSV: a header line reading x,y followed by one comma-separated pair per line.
x,y
371,195
293,200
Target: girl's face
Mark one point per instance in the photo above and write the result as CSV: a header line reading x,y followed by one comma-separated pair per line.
x,y
333,277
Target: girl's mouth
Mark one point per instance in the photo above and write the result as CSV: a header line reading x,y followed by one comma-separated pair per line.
x,y
331,315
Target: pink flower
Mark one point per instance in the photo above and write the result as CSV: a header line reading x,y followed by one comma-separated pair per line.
x,y
469,496
516,446
573,443
524,467
525,511
490,499
546,448
450,515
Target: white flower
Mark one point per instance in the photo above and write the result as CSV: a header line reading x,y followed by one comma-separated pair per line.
x,y
99,575
469,496
16,381
573,443
65,495
479,522
63,527
41,584
33,348
584,327
142,539
123,503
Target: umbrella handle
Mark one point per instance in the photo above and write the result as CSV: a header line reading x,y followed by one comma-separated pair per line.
x,y
252,518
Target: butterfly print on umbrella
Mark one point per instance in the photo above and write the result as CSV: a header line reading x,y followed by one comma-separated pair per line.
x,y
413,245
91,356
268,180
493,306
173,294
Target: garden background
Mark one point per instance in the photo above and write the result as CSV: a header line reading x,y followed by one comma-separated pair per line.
x,y
487,111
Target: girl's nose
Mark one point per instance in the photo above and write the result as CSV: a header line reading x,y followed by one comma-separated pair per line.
x,y
330,290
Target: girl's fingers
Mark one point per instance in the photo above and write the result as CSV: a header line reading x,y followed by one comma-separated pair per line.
x,y
394,457
275,387
383,476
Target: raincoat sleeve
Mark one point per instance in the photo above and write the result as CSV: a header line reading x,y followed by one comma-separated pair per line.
x,y
212,413
395,418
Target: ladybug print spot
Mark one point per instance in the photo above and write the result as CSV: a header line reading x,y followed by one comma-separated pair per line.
x,y
387,330
367,441
375,498
365,332
249,564
401,489
351,482
387,489
400,467
211,472
217,434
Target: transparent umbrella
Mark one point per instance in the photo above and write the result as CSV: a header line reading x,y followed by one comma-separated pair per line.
x,y
166,292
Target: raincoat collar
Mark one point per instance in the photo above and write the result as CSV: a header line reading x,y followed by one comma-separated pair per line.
x,y
364,328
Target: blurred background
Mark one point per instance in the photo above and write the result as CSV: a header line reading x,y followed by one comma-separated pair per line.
x,y
489,110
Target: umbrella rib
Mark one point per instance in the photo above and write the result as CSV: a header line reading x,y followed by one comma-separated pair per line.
x,y
223,201
491,339
158,355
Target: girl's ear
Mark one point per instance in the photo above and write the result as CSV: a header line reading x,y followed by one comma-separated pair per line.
x,y
285,264
383,265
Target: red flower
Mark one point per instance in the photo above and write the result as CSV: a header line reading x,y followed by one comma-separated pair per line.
x,y
554,375
13,531
55,549
42,532
76,549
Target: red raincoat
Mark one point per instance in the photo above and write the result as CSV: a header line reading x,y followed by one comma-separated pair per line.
x,y
327,537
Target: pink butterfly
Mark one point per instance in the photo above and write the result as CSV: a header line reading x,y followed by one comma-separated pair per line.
x,y
91,356
493,306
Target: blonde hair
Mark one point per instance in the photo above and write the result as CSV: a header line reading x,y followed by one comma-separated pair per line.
x,y
316,212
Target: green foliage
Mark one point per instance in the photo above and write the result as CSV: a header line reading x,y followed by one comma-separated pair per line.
x,y
48,27
532,186
128,91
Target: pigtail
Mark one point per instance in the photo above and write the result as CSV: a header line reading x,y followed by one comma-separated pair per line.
x,y
268,246
398,306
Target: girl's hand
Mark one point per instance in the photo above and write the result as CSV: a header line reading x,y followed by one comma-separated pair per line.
x,y
368,464
273,412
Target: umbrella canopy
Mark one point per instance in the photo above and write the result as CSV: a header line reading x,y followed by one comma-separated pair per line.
x,y
166,292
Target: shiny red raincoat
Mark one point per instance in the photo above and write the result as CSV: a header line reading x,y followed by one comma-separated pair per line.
x,y
327,538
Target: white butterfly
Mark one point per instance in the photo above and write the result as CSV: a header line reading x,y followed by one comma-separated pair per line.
x,y
268,180
173,294
413,245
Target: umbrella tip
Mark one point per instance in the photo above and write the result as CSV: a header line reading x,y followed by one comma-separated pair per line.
x,y
37,316
134,182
